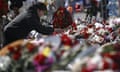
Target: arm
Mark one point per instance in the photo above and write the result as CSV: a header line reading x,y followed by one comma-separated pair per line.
x,y
44,29
41,28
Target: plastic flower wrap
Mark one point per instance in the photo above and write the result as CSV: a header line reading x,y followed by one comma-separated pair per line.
x,y
4,63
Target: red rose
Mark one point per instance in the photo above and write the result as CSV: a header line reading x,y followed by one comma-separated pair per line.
x,y
89,25
16,55
74,26
11,49
85,70
30,47
110,29
86,35
66,40
14,49
107,55
115,66
105,65
40,58
17,48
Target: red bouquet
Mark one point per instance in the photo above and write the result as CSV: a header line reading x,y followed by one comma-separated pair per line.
x,y
62,18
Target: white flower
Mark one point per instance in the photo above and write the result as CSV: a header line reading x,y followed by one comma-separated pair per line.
x,y
97,25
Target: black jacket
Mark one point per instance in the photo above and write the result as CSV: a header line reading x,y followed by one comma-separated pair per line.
x,y
20,27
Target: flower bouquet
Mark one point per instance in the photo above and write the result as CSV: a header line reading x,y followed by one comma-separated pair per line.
x,y
62,18
39,55
105,59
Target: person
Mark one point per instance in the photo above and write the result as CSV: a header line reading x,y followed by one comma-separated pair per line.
x,y
15,6
3,13
112,8
25,22
87,5
104,10
92,10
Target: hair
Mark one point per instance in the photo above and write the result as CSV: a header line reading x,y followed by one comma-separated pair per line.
x,y
41,6
38,5
35,7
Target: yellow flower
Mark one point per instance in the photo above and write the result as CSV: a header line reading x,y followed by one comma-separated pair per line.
x,y
46,51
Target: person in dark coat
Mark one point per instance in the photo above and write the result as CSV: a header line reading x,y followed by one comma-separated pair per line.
x,y
25,22
104,10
